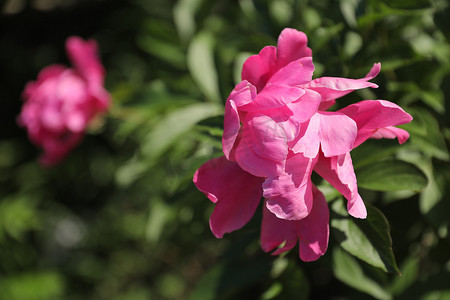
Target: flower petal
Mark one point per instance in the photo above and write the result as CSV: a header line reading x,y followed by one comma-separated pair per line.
x,y
257,69
274,96
337,133
306,106
335,87
235,192
312,231
276,232
262,149
372,115
297,72
334,131
292,45
84,57
231,126
391,132
289,195
338,171
243,93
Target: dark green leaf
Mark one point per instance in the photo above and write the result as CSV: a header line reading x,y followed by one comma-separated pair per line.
x,y
391,175
348,270
368,239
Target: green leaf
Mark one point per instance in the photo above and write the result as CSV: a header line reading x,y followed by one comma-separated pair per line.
x,y
166,51
410,270
18,214
373,150
353,43
426,134
174,124
368,240
391,175
348,10
200,60
348,270
184,17
401,4
43,285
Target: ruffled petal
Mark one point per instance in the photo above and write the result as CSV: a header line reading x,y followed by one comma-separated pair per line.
x,y
297,72
305,107
292,45
335,132
391,132
84,57
231,126
373,115
335,87
257,69
235,192
289,195
338,171
308,142
243,93
277,232
262,149
273,96
312,232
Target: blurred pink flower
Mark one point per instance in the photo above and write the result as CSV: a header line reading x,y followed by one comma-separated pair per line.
x,y
276,133
62,102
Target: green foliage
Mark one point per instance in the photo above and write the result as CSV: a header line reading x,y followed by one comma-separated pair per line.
x,y
121,219
368,240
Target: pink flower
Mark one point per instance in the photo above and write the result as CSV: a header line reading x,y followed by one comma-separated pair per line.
x,y
61,103
276,133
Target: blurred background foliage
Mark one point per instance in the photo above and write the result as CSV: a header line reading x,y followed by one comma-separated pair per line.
x,y
121,219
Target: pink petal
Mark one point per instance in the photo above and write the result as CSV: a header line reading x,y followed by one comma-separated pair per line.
x,y
51,118
57,147
83,55
306,106
337,133
312,232
275,232
335,87
274,96
372,115
257,69
292,45
290,116
289,195
51,71
230,128
297,72
262,148
391,132
338,171
285,118
235,192
308,142
281,87
76,121
243,93
334,131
